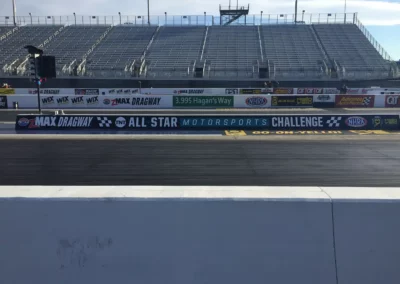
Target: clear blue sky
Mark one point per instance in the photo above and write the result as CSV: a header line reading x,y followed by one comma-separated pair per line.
x,y
388,37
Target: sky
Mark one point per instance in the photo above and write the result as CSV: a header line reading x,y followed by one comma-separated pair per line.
x,y
381,17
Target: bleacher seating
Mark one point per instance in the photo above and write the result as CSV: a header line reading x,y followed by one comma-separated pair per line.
x,y
348,46
232,51
73,43
12,47
120,48
292,49
289,51
5,30
175,51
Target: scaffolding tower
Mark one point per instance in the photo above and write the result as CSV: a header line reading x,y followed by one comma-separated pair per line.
x,y
229,14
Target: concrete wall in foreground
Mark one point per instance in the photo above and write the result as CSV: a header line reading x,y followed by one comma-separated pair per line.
x,y
55,235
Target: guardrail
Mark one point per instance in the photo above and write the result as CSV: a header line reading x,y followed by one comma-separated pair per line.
x,y
179,20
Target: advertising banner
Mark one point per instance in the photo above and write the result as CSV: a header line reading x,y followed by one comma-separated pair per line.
x,y
94,102
94,92
44,91
360,101
6,91
283,91
202,101
264,122
292,101
252,101
257,91
392,101
324,101
131,91
231,91
3,102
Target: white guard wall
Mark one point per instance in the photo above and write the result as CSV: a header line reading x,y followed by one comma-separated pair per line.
x,y
180,235
170,239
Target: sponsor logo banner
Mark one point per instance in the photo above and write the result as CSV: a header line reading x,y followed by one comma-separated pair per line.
x,y
331,91
252,101
324,101
392,101
203,101
44,91
4,91
135,102
94,92
3,102
231,91
283,91
355,101
189,91
271,122
256,91
292,101
345,122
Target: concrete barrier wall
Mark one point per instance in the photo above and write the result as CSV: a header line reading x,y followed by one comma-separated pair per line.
x,y
193,235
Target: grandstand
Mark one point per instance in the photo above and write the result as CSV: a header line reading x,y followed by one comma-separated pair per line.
x,y
197,48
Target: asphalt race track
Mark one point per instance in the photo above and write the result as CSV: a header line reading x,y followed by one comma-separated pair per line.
x,y
224,160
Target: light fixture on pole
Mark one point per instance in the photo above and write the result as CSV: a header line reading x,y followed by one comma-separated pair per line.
x,y
120,21
205,18
261,17
165,18
302,16
75,18
30,15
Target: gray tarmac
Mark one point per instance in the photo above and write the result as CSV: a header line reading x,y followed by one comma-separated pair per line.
x,y
221,160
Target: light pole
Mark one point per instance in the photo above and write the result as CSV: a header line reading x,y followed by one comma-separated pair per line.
x,y
14,12
205,18
261,18
120,22
148,11
345,10
302,16
165,18
75,18
30,15
295,12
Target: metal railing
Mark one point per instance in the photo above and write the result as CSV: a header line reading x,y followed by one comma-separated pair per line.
x,y
372,40
182,20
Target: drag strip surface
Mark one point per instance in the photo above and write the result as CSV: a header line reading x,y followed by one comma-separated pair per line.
x,y
226,161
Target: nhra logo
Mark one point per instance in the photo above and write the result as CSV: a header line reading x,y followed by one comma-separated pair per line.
x,y
63,100
94,100
106,101
48,100
256,101
77,100
23,122
356,121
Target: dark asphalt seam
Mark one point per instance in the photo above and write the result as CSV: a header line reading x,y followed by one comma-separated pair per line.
x,y
333,235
